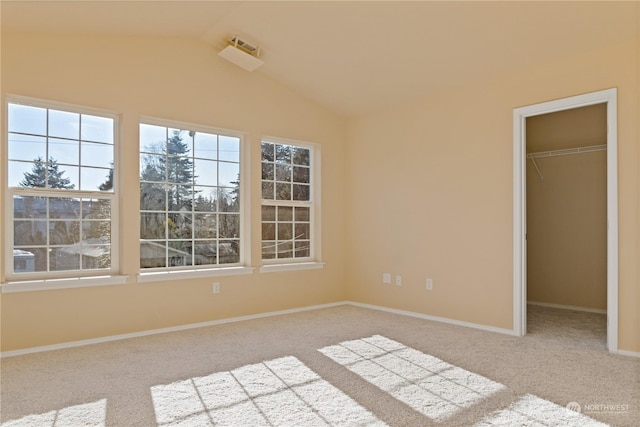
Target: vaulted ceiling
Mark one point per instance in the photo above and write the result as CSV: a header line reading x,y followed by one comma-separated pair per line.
x,y
359,56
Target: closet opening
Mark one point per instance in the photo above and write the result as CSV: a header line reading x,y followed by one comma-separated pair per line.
x,y
565,219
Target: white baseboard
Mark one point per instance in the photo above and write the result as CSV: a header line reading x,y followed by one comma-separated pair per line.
x,y
628,353
162,330
568,307
434,318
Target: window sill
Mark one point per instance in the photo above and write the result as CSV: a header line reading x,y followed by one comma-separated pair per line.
x,y
272,268
159,276
65,283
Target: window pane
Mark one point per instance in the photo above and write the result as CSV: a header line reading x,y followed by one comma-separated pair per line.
x,y
283,173
302,249
96,257
97,231
229,252
29,260
229,226
179,226
285,250
205,146
267,190
205,199
32,175
153,139
64,208
267,171
268,213
153,167
268,250
96,208
153,197
179,253
300,156
64,151
94,179
301,174
29,207
302,214
26,119
100,155
302,231
98,129
205,172
27,147
285,213
179,198
61,259
283,191
205,226
29,233
268,152
64,232
229,174
63,124
229,148
285,231
228,200
179,143
62,176
283,153
152,226
268,231
153,254
301,192
180,170
206,252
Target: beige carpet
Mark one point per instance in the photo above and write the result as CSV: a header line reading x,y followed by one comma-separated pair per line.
x,y
344,366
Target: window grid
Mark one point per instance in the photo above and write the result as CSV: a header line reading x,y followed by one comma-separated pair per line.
x,y
60,215
287,206
190,216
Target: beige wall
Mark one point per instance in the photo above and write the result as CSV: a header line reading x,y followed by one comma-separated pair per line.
x,y
431,192
567,210
186,81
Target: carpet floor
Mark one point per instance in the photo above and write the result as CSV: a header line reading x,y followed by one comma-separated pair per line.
x,y
341,366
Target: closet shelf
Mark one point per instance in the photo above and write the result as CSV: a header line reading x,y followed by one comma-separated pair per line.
x,y
554,153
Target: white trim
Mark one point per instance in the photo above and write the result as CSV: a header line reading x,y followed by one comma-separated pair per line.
x,y
568,307
63,283
160,276
272,268
110,338
433,318
629,353
608,97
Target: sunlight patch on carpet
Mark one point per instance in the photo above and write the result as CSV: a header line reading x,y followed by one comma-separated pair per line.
x,y
429,385
88,414
531,410
279,392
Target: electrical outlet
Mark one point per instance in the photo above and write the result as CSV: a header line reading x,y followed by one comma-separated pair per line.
x,y
429,284
398,280
216,287
386,278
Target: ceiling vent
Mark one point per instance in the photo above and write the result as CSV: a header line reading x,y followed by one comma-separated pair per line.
x,y
242,53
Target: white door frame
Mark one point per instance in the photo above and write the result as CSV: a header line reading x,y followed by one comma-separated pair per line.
x,y
608,96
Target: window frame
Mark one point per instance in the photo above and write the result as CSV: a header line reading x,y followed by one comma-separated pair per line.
x,y
156,274
45,280
314,260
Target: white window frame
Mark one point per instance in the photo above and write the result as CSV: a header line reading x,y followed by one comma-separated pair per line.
x,y
47,280
202,271
314,260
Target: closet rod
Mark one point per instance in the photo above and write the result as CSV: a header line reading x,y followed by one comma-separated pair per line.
x,y
576,150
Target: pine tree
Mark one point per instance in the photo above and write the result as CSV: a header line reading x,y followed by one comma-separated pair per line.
x,y
46,174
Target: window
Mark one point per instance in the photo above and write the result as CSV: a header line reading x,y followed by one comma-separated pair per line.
x,y
190,204
288,208
61,192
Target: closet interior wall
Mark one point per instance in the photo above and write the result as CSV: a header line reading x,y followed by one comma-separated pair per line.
x,y
567,209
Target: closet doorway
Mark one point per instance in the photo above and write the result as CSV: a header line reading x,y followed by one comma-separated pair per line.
x,y
565,207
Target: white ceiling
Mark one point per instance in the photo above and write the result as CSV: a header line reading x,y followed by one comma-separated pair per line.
x,y
360,56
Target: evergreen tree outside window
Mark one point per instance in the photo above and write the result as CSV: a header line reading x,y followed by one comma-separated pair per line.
x,y
189,198
60,163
